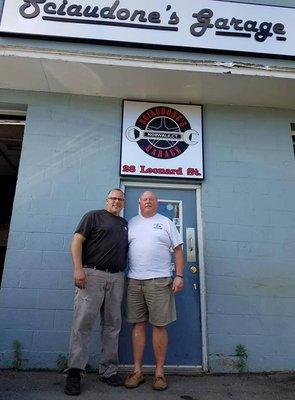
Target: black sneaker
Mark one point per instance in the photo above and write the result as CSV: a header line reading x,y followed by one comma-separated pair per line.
x,y
113,380
73,387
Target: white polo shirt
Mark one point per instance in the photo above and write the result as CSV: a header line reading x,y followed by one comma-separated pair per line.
x,y
151,243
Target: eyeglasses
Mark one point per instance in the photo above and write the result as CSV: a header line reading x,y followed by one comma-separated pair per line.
x,y
116,198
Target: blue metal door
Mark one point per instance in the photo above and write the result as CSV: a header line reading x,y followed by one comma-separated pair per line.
x,y
185,344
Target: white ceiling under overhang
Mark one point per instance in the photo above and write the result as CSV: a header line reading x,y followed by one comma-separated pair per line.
x,y
147,78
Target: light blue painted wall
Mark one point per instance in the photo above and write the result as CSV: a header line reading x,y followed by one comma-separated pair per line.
x,y
70,159
249,228
248,209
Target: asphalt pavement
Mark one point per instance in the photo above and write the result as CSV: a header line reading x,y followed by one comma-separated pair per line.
x,y
44,385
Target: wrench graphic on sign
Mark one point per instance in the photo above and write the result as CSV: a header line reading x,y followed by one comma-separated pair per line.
x,y
190,136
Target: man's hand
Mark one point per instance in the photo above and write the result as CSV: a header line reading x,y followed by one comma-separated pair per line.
x,y
177,284
76,249
80,278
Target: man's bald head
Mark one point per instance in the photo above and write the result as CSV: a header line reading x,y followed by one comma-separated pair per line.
x,y
148,203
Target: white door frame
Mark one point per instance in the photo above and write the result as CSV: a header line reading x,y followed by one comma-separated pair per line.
x,y
197,189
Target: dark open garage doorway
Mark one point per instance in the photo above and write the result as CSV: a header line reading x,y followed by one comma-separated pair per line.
x,y
12,126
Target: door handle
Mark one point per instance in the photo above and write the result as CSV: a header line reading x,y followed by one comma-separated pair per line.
x,y
191,245
194,269
190,240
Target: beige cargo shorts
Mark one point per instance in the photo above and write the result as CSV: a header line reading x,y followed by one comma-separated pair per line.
x,y
150,300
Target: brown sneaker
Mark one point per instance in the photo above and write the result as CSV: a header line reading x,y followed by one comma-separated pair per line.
x,y
133,380
159,383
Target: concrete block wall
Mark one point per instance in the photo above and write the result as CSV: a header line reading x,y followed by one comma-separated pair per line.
x,y
70,159
249,228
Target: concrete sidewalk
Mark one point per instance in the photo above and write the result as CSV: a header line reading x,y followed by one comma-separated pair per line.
x,y
49,385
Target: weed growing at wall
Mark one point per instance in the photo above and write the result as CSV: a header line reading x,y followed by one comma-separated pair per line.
x,y
61,362
241,354
17,355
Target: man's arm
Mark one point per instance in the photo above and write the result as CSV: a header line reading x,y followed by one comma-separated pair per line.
x,y
177,285
76,249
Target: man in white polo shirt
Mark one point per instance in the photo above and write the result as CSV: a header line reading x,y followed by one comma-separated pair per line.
x,y
151,287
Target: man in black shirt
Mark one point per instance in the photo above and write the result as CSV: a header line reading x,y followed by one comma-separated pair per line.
x,y
99,250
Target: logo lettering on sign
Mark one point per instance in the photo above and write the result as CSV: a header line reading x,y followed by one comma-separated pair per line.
x,y
236,27
56,10
30,9
67,12
162,132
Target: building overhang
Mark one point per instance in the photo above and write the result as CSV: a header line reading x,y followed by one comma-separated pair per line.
x,y
147,78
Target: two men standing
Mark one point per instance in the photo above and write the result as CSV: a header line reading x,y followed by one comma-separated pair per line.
x,y
99,250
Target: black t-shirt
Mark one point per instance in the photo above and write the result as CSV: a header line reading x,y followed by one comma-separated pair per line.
x,y
106,239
